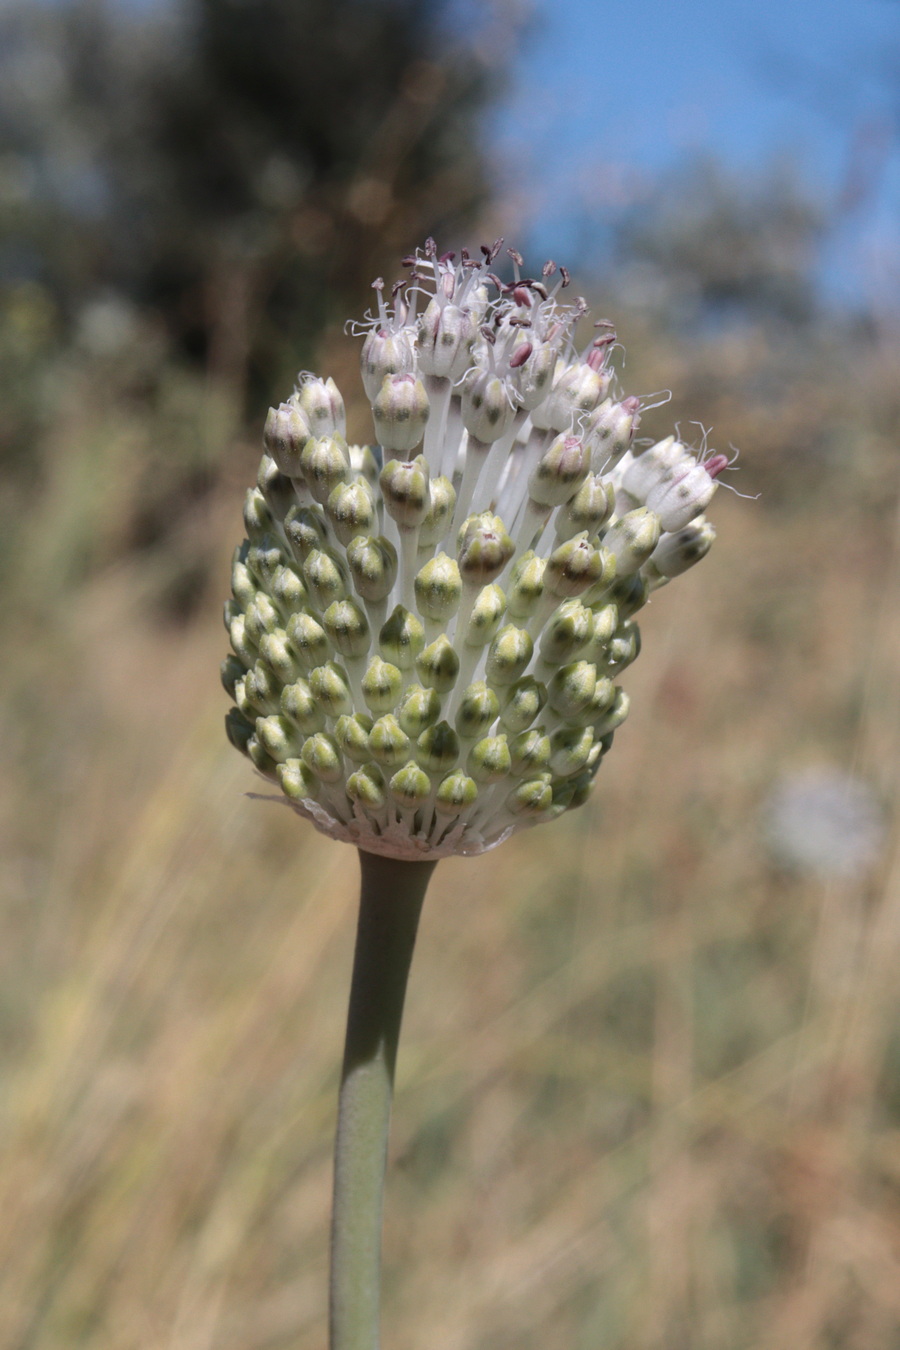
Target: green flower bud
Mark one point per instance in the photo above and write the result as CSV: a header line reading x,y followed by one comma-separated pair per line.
x,y
385,353
419,708
322,406
560,472
402,638
533,797
329,688
325,462
287,590
244,647
366,786
444,341
580,786
675,553
323,579
440,512
261,617
624,648
526,586
571,689
278,737
508,655
478,710
305,529
388,743
373,566
351,510
487,409
629,594
351,731
230,611
348,628
298,704
278,655
587,510
568,631
262,689
577,391
381,685
616,715
609,430
598,705
308,639
243,586
489,759
264,559
438,589
320,753
523,701
570,748
631,539
238,729
260,757
456,793
410,786
530,752
484,548
575,566
258,518
297,781
286,433
437,748
406,489
606,621
231,670
437,665
276,487
400,413
486,617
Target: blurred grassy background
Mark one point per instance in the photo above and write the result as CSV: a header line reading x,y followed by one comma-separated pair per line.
x,y
648,1091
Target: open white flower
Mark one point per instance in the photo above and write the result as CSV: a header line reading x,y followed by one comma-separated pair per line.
x,y
426,633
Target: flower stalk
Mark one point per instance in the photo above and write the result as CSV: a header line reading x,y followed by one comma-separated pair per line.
x,y
391,899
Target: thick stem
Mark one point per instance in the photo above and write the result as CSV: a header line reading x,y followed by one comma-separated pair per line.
x,y
389,908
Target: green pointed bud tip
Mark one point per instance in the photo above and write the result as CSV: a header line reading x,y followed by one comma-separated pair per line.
x,y
487,615
573,567
624,647
326,463
258,518
508,655
287,590
388,742
570,749
323,579
438,589
484,548
568,631
297,781
677,552
351,731
238,729
410,786
615,716
322,405
629,594
285,435
373,566
262,688
419,708
382,685
366,786
402,638
276,487
231,670
560,472
329,688
260,757
532,798
437,748
478,710
243,585
400,413
632,539
439,513
347,628
487,406
524,701
587,510
489,760
456,793
572,687
351,510
264,560
305,529
322,757
437,665
277,736
526,585
530,752
308,639
406,489
299,706
276,652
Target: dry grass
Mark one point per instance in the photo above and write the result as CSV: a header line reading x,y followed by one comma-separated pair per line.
x,y
647,1093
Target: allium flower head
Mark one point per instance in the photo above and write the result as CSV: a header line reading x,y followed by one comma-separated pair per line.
x,y
426,632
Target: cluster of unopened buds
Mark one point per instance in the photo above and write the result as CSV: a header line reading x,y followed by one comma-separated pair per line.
x,y
426,632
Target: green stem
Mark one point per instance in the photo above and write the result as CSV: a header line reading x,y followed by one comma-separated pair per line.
x,y
389,908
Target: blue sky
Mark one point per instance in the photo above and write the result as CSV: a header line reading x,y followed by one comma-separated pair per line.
x,y
610,93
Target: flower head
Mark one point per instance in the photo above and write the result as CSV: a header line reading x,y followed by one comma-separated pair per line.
x,y
426,632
